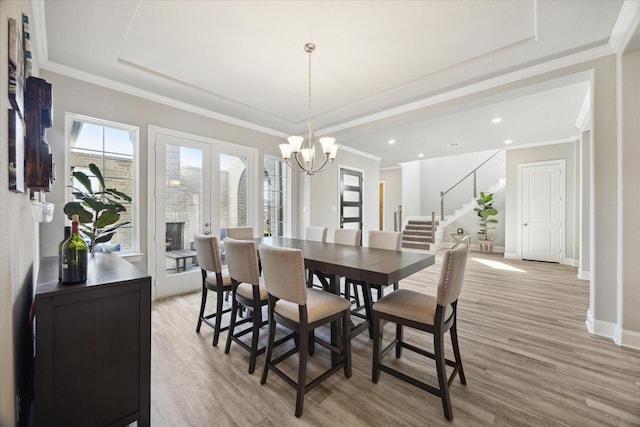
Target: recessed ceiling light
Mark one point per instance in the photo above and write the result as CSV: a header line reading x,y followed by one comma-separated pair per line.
x,y
508,141
392,141
421,155
453,144
496,120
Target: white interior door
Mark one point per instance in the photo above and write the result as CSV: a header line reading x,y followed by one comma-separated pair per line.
x,y
182,208
542,210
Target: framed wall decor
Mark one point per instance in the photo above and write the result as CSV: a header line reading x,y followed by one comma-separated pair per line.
x,y
16,67
16,152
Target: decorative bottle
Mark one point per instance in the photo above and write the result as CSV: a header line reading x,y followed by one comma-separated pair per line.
x,y
74,256
67,234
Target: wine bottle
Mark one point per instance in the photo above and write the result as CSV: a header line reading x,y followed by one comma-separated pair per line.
x,y
67,234
74,256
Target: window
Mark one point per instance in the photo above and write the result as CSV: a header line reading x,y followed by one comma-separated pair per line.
x,y
276,197
113,147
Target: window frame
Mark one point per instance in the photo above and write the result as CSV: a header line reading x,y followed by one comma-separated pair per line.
x,y
132,254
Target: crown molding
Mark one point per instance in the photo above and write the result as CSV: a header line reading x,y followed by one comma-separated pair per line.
x,y
627,22
543,143
358,152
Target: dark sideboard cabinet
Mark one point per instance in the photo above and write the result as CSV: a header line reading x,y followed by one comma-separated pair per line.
x,y
93,345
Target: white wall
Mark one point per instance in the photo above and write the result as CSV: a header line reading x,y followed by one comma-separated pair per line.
x,y
629,231
442,173
392,194
18,251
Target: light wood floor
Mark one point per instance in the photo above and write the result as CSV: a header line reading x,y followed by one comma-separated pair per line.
x,y
528,359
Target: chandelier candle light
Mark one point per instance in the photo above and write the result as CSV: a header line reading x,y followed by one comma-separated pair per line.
x,y
302,148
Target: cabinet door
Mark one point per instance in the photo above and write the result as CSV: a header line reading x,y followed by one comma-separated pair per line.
x,y
96,357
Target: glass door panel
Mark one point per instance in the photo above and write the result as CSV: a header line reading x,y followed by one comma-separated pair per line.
x,y
234,196
183,209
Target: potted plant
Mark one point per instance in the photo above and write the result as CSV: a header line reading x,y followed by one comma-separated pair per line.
x,y
485,211
98,211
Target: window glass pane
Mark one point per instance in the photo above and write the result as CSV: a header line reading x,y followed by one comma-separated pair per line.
x,y
111,148
184,196
233,191
276,197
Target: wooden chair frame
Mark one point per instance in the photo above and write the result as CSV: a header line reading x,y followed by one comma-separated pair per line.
x,y
302,331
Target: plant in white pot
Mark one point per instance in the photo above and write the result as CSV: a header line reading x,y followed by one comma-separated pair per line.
x,y
485,211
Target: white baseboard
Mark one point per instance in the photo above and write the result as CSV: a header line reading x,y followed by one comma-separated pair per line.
x,y
601,328
584,275
572,262
630,339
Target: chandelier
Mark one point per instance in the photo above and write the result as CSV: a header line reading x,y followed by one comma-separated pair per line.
x,y
300,152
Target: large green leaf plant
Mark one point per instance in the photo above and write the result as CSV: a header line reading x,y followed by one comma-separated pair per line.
x,y
98,211
485,211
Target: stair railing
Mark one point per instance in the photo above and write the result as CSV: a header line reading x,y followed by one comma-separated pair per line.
x,y
472,173
397,219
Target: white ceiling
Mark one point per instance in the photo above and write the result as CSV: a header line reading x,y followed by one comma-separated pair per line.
x,y
379,71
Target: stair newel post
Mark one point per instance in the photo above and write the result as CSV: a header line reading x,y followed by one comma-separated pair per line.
x,y
433,227
442,206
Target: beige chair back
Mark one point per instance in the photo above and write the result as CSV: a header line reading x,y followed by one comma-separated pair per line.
x,y
346,236
240,233
316,234
454,263
283,271
208,253
391,240
242,260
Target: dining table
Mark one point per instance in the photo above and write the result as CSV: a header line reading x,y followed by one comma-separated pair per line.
x,y
368,266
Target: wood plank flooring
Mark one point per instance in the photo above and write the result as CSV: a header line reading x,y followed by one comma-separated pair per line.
x,y
528,359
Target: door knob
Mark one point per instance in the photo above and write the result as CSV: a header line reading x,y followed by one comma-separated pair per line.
x,y
206,224
525,224
206,233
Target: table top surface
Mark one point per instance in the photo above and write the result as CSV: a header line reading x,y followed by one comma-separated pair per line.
x,y
375,266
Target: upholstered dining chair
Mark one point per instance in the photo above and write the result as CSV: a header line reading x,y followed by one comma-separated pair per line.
x,y
248,290
316,234
216,278
434,314
294,306
240,233
390,240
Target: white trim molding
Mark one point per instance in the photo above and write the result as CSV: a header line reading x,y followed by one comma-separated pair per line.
x,y
630,339
601,328
584,274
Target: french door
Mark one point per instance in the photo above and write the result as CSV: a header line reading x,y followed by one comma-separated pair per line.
x,y
199,186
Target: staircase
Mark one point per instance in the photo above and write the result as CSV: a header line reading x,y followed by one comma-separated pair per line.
x,y
418,234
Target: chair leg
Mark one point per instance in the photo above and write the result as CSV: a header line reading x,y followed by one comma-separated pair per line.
x,y
270,340
438,349
203,303
232,323
398,340
456,352
346,343
302,371
216,330
257,322
377,347
312,342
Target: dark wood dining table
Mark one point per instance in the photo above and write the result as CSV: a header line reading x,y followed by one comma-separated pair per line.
x,y
370,266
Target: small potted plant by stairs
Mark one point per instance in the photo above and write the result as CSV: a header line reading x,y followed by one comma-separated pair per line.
x,y
485,211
